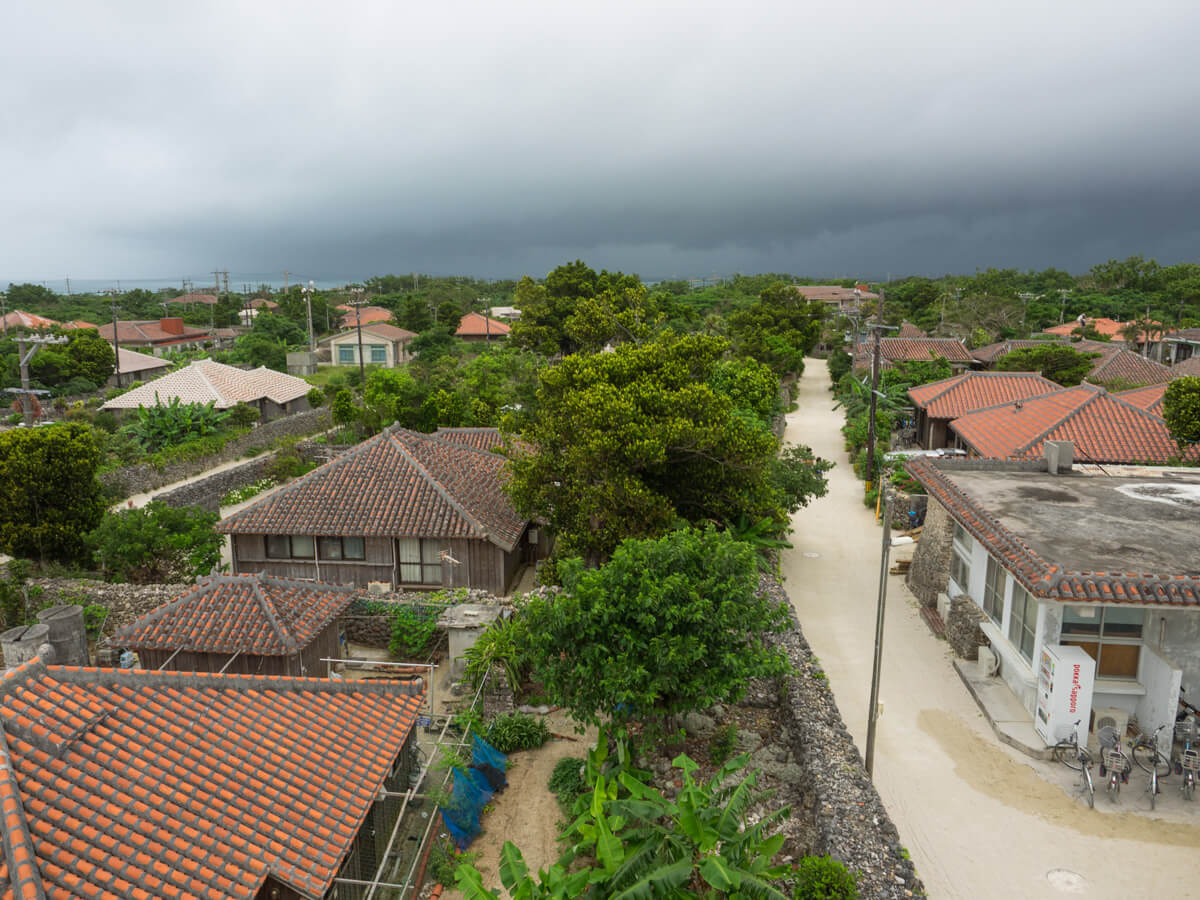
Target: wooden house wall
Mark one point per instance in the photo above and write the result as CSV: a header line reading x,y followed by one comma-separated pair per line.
x,y
326,645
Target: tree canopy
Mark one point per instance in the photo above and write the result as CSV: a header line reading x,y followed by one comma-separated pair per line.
x,y
1062,365
779,329
49,495
156,543
1181,409
577,308
623,444
665,627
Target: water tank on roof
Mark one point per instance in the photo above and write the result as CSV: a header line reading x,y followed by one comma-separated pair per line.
x,y
68,636
21,644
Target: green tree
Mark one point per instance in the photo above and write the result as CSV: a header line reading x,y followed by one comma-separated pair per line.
x,y
554,319
1181,409
50,366
156,544
49,495
623,444
1062,365
667,626
779,329
344,412
168,424
91,356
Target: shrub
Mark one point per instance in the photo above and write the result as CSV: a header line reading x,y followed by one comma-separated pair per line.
x,y
75,386
286,464
243,415
94,616
156,543
567,782
412,630
238,495
517,731
315,397
722,744
824,878
171,424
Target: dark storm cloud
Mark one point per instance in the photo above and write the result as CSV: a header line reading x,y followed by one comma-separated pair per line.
x,y
667,139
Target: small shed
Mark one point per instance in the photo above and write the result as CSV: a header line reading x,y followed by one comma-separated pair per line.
x,y
243,624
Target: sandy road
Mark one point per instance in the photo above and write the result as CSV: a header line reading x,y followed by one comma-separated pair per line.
x,y
979,819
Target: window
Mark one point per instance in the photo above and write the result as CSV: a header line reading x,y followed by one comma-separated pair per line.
x,y
1023,621
335,548
346,354
378,353
282,546
1111,635
993,591
420,561
960,558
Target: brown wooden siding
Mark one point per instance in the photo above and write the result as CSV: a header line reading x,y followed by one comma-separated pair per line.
x,y
307,661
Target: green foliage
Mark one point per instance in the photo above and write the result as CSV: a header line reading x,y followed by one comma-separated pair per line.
x,y
517,731
345,413
162,425
17,597
575,309
779,329
567,782
242,494
666,626
156,544
49,495
1062,365
722,744
413,630
824,878
840,362
94,617
243,415
798,476
91,357
1181,409
287,464
268,340
315,397
624,444
504,644
905,482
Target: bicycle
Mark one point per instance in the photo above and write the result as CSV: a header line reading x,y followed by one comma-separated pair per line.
x,y
1151,761
1070,754
1188,764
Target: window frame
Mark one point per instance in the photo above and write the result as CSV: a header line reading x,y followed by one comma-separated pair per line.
x,y
326,542
381,350
962,547
427,561
1101,639
1022,621
347,355
291,546
995,585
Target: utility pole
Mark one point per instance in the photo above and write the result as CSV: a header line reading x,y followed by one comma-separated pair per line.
x,y
112,297
878,328
68,285
308,292
357,303
23,357
4,312
286,273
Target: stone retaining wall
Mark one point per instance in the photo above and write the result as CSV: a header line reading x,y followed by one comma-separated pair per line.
x,y
846,818
929,573
145,477
962,627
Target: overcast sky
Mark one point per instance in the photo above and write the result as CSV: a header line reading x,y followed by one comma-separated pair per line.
x,y
164,139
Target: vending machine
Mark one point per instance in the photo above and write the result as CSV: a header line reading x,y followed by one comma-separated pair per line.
x,y
1065,679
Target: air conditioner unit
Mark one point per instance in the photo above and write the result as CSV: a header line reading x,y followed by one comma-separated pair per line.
x,y
1113,717
989,663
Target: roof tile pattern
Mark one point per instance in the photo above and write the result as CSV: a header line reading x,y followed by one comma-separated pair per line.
x,y
400,484
186,785
204,381
479,438
151,331
961,394
478,325
255,614
1149,398
1120,364
206,299
1042,577
1110,328
132,361
1104,428
18,318
1188,367
381,329
365,315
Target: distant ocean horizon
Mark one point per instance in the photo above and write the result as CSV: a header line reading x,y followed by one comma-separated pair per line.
x,y
238,282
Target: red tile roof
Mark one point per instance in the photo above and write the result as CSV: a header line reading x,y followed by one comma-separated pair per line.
x,y
478,325
993,352
909,330
961,394
1149,398
1189,366
401,484
1119,364
187,785
152,331
832,293
255,614
78,325
894,349
479,438
1110,328
366,314
18,318
1042,577
1103,428
206,299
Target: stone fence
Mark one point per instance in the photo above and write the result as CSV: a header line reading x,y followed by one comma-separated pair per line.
x,y
144,477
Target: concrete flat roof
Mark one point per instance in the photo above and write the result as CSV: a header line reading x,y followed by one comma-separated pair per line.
x,y
1130,519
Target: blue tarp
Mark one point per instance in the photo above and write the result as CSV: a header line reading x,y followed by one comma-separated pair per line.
x,y
470,793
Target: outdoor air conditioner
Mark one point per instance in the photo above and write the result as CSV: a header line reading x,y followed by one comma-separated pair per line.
x,y
989,663
1113,716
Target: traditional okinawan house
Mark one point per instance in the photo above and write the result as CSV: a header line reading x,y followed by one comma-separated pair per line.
x,y
893,350
1103,427
272,393
939,402
382,345
1124,368
1182,345
1054,554
409,509
837,297
127,783
156,335
242,624
478,327
135,366
1149,398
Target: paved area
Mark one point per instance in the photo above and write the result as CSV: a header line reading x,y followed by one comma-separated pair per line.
x,y
980,819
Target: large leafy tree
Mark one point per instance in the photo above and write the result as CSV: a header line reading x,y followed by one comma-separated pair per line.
x,y
91,356
664,627
547,308
156,543
1181,409
1062,365
49,495
624,444
779,329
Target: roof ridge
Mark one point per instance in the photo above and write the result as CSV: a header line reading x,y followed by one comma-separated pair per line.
x,y
193,593
105,677
24,876
268,609
437,486
1096,390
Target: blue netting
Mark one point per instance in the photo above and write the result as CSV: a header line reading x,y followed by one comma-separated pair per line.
x,y
471,792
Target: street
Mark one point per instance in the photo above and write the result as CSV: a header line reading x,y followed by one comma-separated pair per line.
x,y
977,817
